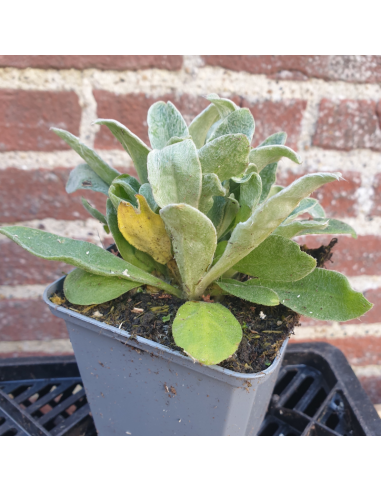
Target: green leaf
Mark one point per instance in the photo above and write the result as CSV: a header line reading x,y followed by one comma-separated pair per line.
x,y
317,212
136,148
251,293
126,250
224,106
146,191
277,258
211,186
240,121
164,122
97,164
266,218
296,228
194,242
85,288
221,246
223,213
275,139
81,254
84,178
225,156
208,332
268,174
334,227
250,193
263,156
174,140
268,177
123,189
175,174
304,206
275,189
200,126
166,318
323,294
94,212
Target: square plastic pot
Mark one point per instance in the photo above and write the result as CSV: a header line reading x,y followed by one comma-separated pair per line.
x,y
139,387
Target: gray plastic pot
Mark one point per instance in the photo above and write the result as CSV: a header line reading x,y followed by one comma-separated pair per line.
x,y
139,387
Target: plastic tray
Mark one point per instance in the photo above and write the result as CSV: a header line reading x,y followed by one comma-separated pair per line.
x,y
317,394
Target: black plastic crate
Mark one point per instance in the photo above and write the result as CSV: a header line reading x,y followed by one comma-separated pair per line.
x,y
317,394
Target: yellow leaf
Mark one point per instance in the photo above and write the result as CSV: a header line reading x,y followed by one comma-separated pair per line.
x,y
145,230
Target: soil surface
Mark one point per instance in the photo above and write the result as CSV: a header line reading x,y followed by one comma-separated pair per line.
x,y
149,314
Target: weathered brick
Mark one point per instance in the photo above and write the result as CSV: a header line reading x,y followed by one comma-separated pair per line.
x,y
132,109
361,256
102,62
18,267
372,386
43,196
26,319
360,351
351,68
348,125
376,208
338,198
271,117
26,116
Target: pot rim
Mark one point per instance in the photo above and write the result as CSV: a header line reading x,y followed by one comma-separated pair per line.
x,y
139,342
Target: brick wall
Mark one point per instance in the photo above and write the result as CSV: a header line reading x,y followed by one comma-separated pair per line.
x,y
330,106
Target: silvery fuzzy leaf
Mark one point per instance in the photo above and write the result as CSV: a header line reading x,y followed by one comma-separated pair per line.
x,y
249,195
304,206
275,139
123,189
194,241
164,122
200,126
323,294
211,187
94,212
81,254
84,178
240,121
223,213
224,106
263,156
133,145
225,156
266,218
146,191
301,227
97,164
175,174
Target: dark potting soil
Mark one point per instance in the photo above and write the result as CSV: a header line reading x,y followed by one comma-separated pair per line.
x,y
149,314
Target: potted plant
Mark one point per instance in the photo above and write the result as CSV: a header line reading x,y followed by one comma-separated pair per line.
x,y
181,329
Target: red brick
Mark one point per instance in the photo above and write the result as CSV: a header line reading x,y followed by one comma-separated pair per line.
x,y
18,267
376,209
132,109
103,62
26,116
43,196
271,117
359,351
26,319
348,125
372,386
337,198
361,256
351,68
